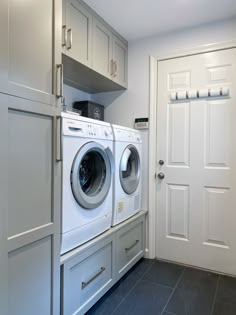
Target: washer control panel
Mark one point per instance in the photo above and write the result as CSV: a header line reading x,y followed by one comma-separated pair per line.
x,y
76,128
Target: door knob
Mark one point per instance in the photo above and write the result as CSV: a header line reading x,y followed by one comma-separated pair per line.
x,y
161,162
161,175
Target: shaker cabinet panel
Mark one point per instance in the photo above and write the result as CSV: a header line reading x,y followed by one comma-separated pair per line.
x,y
77,32
120,59
102,49
30,285
27,45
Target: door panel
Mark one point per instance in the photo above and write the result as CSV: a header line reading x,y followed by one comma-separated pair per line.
x,y
27,49
80,21
196,200
102,49
30,286
120,58
30,208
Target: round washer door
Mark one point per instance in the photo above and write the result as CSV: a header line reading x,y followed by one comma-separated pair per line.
x,y
130,169
91,175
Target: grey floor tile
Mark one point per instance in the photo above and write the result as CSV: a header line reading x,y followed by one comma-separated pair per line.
x,y
225,303
164,273
145,299
106,305
129,280
221,308
194,294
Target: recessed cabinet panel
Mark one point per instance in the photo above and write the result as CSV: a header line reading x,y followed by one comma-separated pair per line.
x,y
120,56
79,39
27,45
30,171
130,246
86,277
29,285
102,48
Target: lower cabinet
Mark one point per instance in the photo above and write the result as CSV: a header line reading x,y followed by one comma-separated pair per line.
x,y
89,271
130,246
87,276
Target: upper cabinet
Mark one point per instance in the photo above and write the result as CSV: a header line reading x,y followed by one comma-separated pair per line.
x,y
77,26
109,54
28,34
94,45
102,49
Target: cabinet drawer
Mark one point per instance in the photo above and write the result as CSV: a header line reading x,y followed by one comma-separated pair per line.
x,y
130,246
86,278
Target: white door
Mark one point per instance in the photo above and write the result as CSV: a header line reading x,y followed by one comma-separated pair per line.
x,y
196,200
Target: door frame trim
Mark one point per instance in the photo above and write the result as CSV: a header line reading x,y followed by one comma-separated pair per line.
x,y
153,104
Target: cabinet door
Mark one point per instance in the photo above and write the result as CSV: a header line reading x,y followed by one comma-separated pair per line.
x,y
78,22
30,208
26,50
102,49
120,59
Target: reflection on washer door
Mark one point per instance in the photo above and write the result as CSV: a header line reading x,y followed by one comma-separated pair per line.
x,y
92,173
130,170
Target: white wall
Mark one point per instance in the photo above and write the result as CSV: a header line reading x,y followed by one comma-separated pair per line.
x,y
135,101
72,95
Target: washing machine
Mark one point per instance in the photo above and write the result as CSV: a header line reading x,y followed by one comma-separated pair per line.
x,y
127,177
87,171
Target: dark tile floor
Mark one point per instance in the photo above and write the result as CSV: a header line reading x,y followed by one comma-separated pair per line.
x,y
159,288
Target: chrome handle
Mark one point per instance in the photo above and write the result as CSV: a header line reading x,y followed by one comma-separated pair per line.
x,y
161,175
59,140
112,67
64,35
70,38
84,284
131,246
115,72
59,92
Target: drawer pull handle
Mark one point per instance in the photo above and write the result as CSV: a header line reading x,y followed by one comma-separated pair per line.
x,y
131,246
84,284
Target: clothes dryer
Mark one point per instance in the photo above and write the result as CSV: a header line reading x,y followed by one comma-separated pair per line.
x,y
127,178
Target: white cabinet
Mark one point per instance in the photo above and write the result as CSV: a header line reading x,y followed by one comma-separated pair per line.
x,y
90,270
28,62
77,32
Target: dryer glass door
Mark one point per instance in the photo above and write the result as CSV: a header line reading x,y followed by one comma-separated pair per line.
x,y
91,175
130,169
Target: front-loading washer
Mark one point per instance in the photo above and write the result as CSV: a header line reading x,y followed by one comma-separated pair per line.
x,y
87,171
127,178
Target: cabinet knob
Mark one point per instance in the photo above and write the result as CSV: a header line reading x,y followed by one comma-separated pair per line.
x,y
161,162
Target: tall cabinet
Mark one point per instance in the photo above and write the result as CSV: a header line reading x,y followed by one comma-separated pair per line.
x,y
30,34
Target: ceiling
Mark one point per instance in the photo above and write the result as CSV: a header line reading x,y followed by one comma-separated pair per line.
x,y
135,19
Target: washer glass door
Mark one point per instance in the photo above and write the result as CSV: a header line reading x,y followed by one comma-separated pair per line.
x,y
130,169
91,175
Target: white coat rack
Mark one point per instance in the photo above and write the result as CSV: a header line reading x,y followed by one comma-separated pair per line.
x,y
202,93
